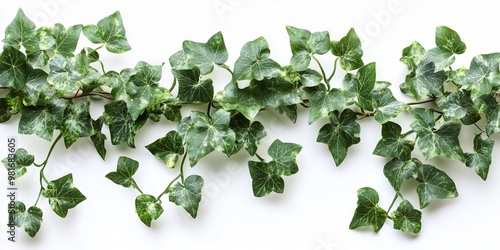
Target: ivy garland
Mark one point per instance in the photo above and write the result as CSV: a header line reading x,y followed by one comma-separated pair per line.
x,y
50,86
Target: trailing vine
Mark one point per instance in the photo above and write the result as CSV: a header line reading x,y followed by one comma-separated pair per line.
x,y
51,85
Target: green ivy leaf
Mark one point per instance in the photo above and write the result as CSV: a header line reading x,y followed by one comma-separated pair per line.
x,y
30,220
66,39
248,134
449,40
362,85
424,81
21,31
126,168
349,50
168,148
42,120
192,89
36,83
203,55
98,138
77,123
491,109
392,144
148,208
310,78
121,125
305,44
12,68
62,195
5,110
480,160
110,32
482,75
254,62
459,105
398,171
406,218
187,194
435,184
206,134
385,106
264,180
441,58
67,74
272,93
442,141
341,133
368,212
323,102
413,56
146,74
22,160
284,158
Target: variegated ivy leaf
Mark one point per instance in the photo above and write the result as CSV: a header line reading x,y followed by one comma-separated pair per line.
x,y
125,169
248,134
5,110
99,138
435,184
305,44
491,109
441,141
109,32
406,218
290,111
168,148
323,101
368,213
482,75
348,49
187,194
192,89
264,180
67,74
398,171
20,32
441,58
121,86
254,62
413,56
22,160
77,123
361,85
30,220
146,74
459,105
310,78
424,81
201,55
62,195
385,106
42,120
392,144
12,68
480,160
341,133
449,40
66,39
272,93
148,208
207,134
121,125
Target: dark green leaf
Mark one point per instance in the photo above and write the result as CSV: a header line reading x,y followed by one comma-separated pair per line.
x,y
424,82
146,74
168,148
392,144
398,171
30,220
67,74
290,111
349,50
480,160
323,102
368,212
248,134
254,62
21,31
77,123
5,110
310,78
413,56
406,218
35,85
482,75
264,180
121,126
62,195
341,133
187,194
148,208
22,160
386,107
305,44
362,85
98,138
192,89
125,169
42,120
284,158
491,109
110,32
66,40
204,55
449,40
13,68
435,184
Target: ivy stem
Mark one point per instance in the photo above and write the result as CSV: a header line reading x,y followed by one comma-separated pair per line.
x,y
327,81
208,109
393,202
480,129
174,83
181,175
102,67
224,66
104,95
134,184
420,102
260,158
334,69
44,165
407,134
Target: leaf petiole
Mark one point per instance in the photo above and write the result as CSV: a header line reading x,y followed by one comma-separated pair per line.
x,y
327,81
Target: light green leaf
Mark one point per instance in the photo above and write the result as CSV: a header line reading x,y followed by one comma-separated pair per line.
x,y
264,180
30,220
441,58
248,134
12,68
368,212
192,89
204,55
392,144
187,194
459,105
482,75
323,102
284,158
148,208
305,44
398,171
349,50
254,62
413,56
21,31
208,134
442,141
42,120
37,59
22,160
310,78
62,195
66,74
125,169
110,32
406,218
341,133
77,123
449,40
98,138
480,160
66,39
385,106
435,184
168,148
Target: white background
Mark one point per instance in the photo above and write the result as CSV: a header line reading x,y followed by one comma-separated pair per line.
x,y
318,203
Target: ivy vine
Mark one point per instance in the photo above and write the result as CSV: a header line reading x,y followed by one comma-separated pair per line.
x,y
51,85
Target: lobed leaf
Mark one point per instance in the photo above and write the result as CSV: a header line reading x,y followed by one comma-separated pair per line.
x,y
368,212
349,50
435,184
30,220
168,148
254,62
406,218
392,144
22,160
480,160
305,44
109,32
125,169
148,208
62,195
187,194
